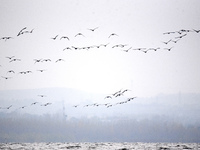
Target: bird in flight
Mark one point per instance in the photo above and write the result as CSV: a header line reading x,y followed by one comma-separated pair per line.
x,y
46,104
64,37
179,37
46,60
9,107
167,42
34,103
6,38
15,60
22,107
126,50
93,29
197,31
79,34
169,49
54,38
21,31
10,71
108,97
42,95
169,32
6,77
113,34
67,48
41,70
59,60
37,60
10,57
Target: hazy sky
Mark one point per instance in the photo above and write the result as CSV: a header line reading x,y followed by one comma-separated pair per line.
x,y
138,24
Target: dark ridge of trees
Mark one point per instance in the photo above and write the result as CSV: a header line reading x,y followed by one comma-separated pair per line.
x,y
54,128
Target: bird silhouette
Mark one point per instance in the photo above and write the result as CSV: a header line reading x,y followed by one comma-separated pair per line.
x,y
6,77
197,31
126,50
169,32
46,104
79,34
112,34
41,70
20,32
175,41
42,95
179,37
169,49
15,59
22,107
67,48
167,42
6,38
34,103
11,71
10,57
37,60
59,60
46,60
93,29
108,97
9,107
54,38
22,72
64,37
154,49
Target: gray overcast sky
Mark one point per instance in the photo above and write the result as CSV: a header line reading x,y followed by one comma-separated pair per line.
x,y
138,24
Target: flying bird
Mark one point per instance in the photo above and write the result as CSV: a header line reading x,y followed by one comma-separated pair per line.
x,y
113,34
22,107
93,29
59,60
179,37
10,57
67,48
54,38
34,103
20,32
126,50
46,60
10,71
41,70
175,41
37,60
6,77
79,34
6,38
22,72
12,60
167,42
46,104
64,37
42,95
169,32
197,31
155,49
9,107
108,97
169,49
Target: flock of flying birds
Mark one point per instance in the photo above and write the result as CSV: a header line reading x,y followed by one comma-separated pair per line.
x,y
178,36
